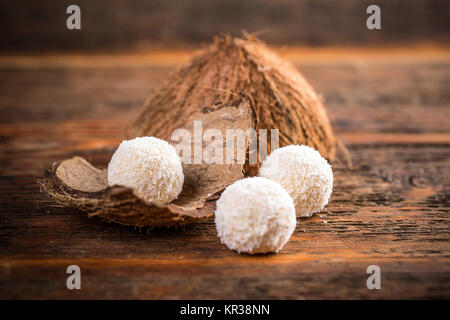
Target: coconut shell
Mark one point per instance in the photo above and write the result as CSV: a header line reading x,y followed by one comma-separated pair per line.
x,y
75,182
282,97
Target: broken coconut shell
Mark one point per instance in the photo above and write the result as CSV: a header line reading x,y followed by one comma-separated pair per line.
x,y
75,182
282,98
276,97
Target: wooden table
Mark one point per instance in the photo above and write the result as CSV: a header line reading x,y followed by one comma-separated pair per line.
x,y
391,209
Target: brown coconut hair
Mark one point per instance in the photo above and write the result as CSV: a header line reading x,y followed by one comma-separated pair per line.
x,y
281,96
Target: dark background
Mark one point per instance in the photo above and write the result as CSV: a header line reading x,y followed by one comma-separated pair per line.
x,y
122,25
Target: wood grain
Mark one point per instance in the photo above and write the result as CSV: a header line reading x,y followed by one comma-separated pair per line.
x,y
391,209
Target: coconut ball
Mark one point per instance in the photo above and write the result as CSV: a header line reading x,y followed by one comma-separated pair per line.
x,y
305,175
255,215
150,167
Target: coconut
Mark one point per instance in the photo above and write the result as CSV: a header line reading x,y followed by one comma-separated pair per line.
x,y
281,96
236,83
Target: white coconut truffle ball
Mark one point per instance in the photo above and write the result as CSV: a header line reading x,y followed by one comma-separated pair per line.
x,y
305,175
150,167
255,215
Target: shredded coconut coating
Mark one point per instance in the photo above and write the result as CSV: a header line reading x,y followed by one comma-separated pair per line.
x,y
305,175
150,167
255,215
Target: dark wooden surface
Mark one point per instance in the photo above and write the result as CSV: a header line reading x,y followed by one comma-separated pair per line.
x,y
119,25
391,209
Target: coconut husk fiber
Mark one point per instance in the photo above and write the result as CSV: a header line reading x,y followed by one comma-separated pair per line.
x,y
282,98
75,182
235,83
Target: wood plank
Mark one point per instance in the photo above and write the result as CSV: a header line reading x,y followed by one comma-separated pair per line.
x,y
412,53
